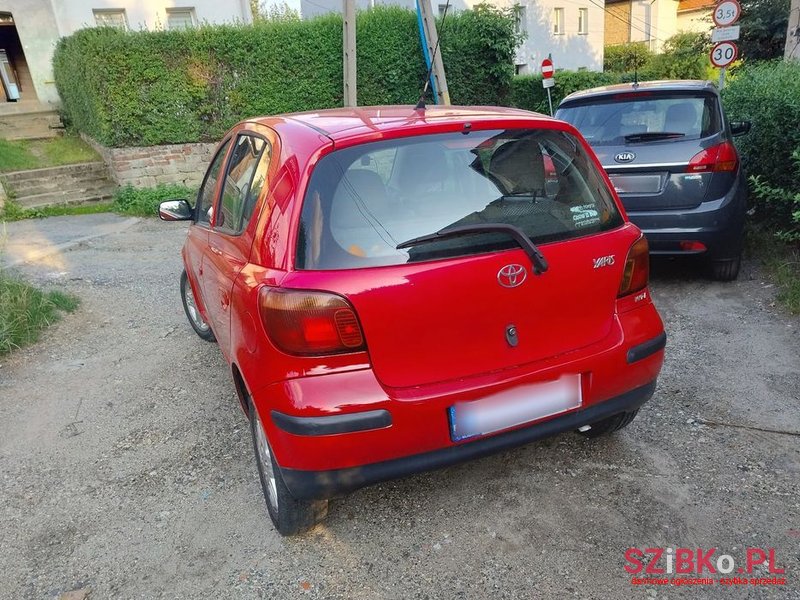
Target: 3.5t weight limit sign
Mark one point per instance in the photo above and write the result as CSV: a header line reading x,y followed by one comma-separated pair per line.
x,y
724,54
727,13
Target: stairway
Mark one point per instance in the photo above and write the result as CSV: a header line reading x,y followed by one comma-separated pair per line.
x,y
28,120
70,184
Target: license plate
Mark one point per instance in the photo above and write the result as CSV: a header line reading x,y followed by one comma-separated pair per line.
x,y
637,184
517,406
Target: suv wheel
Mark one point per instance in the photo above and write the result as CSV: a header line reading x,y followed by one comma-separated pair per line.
x,y
610,425
289,515
725,269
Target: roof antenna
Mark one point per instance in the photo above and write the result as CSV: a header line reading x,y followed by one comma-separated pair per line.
x,y
421,103
635,74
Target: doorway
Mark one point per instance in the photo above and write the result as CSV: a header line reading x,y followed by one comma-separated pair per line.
x,y
15,77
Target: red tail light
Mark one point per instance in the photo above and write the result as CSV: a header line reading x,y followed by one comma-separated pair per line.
x,y
721,157
637,268
307,322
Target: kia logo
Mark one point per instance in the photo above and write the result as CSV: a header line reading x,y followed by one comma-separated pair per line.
x,y
625,157
511,276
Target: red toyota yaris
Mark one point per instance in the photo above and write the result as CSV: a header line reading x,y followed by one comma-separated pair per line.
x,y
401,289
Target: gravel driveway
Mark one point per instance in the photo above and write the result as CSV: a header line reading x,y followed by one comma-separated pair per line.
x,y
127,470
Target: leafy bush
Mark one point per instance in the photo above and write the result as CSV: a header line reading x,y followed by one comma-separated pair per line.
x,y
684,56
626,57
158,87
144,202
784,201
768,95
527,91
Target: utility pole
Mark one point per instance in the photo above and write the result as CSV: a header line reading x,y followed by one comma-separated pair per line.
x,y
430,40
349,52
793,32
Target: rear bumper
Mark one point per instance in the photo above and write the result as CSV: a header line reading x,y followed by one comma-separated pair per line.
x,y
324,484
717,224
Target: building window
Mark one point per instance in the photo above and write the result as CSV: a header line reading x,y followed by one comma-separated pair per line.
x,y
180,18
583,21
558,21
442,8
521,19
112,17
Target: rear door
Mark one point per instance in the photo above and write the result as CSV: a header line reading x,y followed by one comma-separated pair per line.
x,y
448,309
230,239
645,141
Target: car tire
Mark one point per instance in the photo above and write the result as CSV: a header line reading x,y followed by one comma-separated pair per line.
x,y
289,515
201,328
610,425
725,269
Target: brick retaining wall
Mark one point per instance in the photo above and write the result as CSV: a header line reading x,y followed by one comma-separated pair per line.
x,y
150,165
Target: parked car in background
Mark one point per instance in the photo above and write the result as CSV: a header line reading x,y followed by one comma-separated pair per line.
x,y
398,289
668,149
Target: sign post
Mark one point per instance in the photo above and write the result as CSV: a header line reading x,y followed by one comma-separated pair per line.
x,y
548,81
726,14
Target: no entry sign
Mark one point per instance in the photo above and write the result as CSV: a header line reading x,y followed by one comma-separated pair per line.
x,y
547,68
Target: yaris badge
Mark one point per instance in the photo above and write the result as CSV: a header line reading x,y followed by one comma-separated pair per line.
x,y
511,276
624,157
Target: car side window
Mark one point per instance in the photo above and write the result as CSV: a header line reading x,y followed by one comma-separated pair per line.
x,y
244,180
205,197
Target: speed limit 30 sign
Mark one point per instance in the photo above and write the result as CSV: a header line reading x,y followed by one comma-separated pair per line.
x,y
724,54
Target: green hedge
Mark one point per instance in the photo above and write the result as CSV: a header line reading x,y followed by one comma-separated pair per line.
x,y
157,87
527,91
768,95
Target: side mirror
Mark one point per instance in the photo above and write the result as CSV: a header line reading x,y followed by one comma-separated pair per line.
x,y
740,127
175,210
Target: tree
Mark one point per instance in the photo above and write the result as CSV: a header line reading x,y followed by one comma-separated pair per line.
x,y
764,24
266,10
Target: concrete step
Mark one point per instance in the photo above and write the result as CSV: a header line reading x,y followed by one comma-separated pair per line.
x,y
54,172
66,197
30,125
65,184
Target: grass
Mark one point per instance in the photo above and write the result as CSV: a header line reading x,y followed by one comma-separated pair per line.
x,y
143,202
36,154
25,311
781,261
14,212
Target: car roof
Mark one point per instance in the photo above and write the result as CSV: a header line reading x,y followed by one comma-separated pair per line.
x,y
342,123
667,85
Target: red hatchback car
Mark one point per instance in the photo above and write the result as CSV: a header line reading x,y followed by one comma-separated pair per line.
x,y
397,290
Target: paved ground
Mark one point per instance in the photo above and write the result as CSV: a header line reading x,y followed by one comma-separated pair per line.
x,y
126,465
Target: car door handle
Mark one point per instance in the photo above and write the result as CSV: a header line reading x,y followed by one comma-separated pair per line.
x,y
216,250
225,300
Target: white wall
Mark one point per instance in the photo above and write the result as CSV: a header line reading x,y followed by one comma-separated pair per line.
x,y
697,20
72,15
38,33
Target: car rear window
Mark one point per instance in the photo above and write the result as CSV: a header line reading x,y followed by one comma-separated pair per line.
x,y
615,120
362,202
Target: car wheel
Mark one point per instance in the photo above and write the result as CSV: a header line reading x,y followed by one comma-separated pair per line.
x,y
289,515
610,425
200,327
725,269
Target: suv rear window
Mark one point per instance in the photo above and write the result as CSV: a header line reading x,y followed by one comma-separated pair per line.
x,y
615,120
362,202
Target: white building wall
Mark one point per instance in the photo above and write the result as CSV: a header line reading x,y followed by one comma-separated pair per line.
x,y
38,33
698,21
72,15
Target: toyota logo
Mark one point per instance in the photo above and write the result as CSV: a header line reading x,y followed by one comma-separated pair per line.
x,y
511,276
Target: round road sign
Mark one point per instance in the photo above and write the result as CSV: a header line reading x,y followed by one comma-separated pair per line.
x,y
547,68
724,54
727,13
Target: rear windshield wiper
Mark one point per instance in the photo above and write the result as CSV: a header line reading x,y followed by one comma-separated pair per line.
x,y
653,135
539,263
